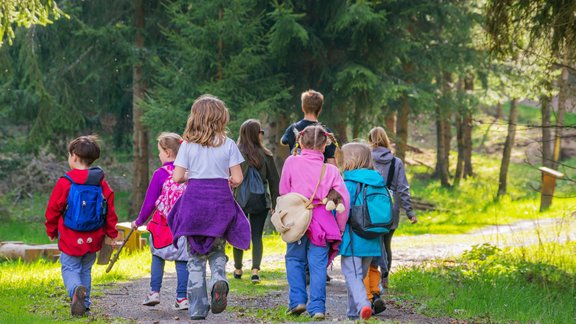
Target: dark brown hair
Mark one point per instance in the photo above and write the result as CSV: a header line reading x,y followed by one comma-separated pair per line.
x,y
86,148
249,142
312,102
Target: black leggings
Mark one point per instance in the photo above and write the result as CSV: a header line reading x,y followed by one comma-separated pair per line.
x,y
257,226
387,240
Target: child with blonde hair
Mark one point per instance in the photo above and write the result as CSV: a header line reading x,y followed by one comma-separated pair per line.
x,y
207,214
161,195
357,252
391,169
318,247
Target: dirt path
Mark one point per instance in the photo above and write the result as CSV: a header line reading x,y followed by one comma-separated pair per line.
x,y
124,300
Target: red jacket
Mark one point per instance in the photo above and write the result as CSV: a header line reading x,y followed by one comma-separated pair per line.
x,y
72,242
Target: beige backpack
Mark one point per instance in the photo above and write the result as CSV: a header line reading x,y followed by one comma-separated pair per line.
x,y
293,213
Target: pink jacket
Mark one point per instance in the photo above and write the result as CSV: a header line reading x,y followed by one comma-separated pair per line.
x,y
300,174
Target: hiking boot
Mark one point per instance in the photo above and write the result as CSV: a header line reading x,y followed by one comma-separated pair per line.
x,y
296,310
197,318
87,312
77,306
181,304
219,297
318,316
152,299
366,312
378,305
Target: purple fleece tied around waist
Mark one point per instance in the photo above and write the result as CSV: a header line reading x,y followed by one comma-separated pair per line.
x,y
206,211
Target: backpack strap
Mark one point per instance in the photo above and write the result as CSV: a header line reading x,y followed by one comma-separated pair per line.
x,y
317,184
391,171
67,177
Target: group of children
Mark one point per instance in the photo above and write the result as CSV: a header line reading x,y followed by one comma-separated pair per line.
x,y
194,213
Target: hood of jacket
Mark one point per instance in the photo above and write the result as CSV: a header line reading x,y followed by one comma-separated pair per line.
x,y
382,155
92,176
367,176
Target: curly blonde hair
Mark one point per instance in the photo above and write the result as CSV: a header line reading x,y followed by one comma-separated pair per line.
x,y
207,121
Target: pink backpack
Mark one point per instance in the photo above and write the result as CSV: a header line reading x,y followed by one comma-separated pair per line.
x,y
158,227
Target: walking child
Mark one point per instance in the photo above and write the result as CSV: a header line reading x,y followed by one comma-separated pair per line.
x,y
312,102
161,195
357,252
207,214
80,213
391,169
259,159
318,247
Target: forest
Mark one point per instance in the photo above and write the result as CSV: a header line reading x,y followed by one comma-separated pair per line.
x,y
477,96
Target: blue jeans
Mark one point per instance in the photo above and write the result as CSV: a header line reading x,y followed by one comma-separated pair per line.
x,y
298,255
77,271
157,273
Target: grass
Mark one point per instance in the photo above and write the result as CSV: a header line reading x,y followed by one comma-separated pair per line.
x,y
528,115
528,284
472,204
34,292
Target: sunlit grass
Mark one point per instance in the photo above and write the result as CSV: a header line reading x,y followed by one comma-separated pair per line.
x,y
526,284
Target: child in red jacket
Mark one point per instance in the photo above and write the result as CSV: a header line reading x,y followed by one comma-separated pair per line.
x,y
79,214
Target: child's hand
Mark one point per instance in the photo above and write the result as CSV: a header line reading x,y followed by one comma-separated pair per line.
x,y
52,238
413,220
134,226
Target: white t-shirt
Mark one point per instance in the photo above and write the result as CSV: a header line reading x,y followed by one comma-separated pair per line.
x,y
204,162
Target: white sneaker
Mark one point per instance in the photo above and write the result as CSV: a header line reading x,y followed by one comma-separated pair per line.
x,y
180,305
152,299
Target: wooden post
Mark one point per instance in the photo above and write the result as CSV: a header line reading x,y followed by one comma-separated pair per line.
x,y
548,184
134,242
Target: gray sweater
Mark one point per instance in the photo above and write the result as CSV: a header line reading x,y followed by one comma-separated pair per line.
x,y
399,186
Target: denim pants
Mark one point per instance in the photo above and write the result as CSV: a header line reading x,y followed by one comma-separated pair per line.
x,y
298,255
199,304
157,273
354,270
77,271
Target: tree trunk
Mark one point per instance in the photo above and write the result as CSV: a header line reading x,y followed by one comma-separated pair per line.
x,y
502,182
390,121
562,101
140,145
499,111
402,129
459,121
447,116
545,102
340,130
467,130
441,164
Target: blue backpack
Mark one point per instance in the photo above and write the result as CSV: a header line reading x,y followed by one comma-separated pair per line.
x,y
371,211
86,207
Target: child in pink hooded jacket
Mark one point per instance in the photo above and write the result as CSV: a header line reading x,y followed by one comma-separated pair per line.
x,y
320,244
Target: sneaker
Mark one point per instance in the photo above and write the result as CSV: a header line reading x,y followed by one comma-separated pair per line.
x,y
197,318
378,305
152,299
318,316
87,312
366,312
297,310
181,304
219,297
255,278
237,274
77,306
